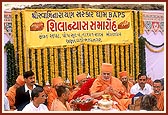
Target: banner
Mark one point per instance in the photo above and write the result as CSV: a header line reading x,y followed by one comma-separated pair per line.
x,y
153,22
60,27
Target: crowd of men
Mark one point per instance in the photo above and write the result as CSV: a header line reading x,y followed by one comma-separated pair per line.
x,y
25,95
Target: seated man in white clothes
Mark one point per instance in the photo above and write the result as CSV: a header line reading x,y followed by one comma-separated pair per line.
x,y
141,86
38,98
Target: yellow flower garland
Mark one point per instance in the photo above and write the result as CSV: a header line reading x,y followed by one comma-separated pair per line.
x,y
45,65
112,58
137,44
107,56
127,58
122,57
74,64
100,57
33,60
14,29
152,50
51,62
86,58
39,66
117,60
24,43
69,70
20,44
79,60
55,62
141,22
95,60
132,59
91,59
62,64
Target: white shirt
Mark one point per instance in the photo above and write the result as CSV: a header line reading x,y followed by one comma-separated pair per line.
x,y
136,88
30,107
27,89
6,104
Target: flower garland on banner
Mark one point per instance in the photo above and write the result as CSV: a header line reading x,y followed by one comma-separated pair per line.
x,y
62,64
39,66
79,60
152,50
24,43
20,44
122,57
69,64
91,59
51,64
100,56
86,58
95,60
107,53
45,66
141,22
14,29
112,58
137,47
117,60
132,59
33,60
56,61
127,58
74,64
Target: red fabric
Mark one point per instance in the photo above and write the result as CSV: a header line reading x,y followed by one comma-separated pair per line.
x,y
84,89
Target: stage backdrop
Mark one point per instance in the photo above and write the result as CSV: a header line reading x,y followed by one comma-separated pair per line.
x,y
52,27
154,34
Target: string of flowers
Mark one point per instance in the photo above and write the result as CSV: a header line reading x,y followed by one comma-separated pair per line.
x,y
11,64
14,29
127,58
141,22
69,70
95,60
156,46
153,50
39,66
132,59
74,64
122,57
142,55
55,62
86,58
20,44
51,64
45,65
113,58
33,60
62,64
137,46
100,56
117,60
91,59
107,57
24,43
79,60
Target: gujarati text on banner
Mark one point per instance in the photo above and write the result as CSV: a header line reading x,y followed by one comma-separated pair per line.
x,y
50,27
